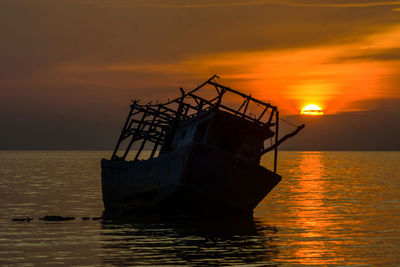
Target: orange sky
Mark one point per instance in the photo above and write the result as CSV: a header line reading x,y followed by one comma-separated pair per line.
x,y
84,59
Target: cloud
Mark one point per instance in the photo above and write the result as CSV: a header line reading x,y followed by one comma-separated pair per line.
x,y
41,34
374,55
228,3
368,130
171,4
380,105
345,4
291,78
330,76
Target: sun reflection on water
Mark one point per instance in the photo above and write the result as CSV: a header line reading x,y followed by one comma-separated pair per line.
x,y
311,213
312,188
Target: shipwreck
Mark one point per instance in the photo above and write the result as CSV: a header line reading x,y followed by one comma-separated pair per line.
x,y
196,154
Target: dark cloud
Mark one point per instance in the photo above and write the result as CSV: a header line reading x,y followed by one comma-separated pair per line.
x,y
349,131
392,54
39,34
346,4
379,105
231,3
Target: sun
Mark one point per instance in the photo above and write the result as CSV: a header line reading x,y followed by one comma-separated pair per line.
x,y
312,109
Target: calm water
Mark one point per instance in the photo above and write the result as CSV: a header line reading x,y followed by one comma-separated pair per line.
x,y
331,208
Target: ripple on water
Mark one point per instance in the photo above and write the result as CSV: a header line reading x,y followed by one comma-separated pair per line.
x,y
331,208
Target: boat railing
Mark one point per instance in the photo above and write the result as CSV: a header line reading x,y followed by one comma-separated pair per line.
x,y
147,124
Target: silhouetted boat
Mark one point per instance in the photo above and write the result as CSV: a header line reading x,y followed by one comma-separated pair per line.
x,y
203,156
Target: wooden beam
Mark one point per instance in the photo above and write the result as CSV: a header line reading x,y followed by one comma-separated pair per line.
x,y
276,140
121,137
133,137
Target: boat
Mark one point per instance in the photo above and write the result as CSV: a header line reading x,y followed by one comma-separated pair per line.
x,y
198,154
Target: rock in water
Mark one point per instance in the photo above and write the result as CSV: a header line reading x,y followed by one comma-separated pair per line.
x,y
27,219
56,218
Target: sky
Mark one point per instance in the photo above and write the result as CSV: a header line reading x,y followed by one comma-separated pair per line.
x,y
69,68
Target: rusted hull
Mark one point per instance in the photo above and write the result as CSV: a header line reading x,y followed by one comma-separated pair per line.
x,y
197,179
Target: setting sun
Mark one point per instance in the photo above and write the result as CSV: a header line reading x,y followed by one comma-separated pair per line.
x,y
312,109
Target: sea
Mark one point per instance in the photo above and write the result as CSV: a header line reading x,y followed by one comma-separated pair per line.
x,y
330,209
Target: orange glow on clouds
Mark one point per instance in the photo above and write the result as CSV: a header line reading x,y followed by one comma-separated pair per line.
x,y
333,76
293,78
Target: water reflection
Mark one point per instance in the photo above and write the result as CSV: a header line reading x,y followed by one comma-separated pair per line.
x,y
311,214
331,208
310,208
155,242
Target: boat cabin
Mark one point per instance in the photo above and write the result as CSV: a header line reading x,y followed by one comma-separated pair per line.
x,y
220,129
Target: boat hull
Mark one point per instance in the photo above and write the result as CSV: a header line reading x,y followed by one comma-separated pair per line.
x,y
196,179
